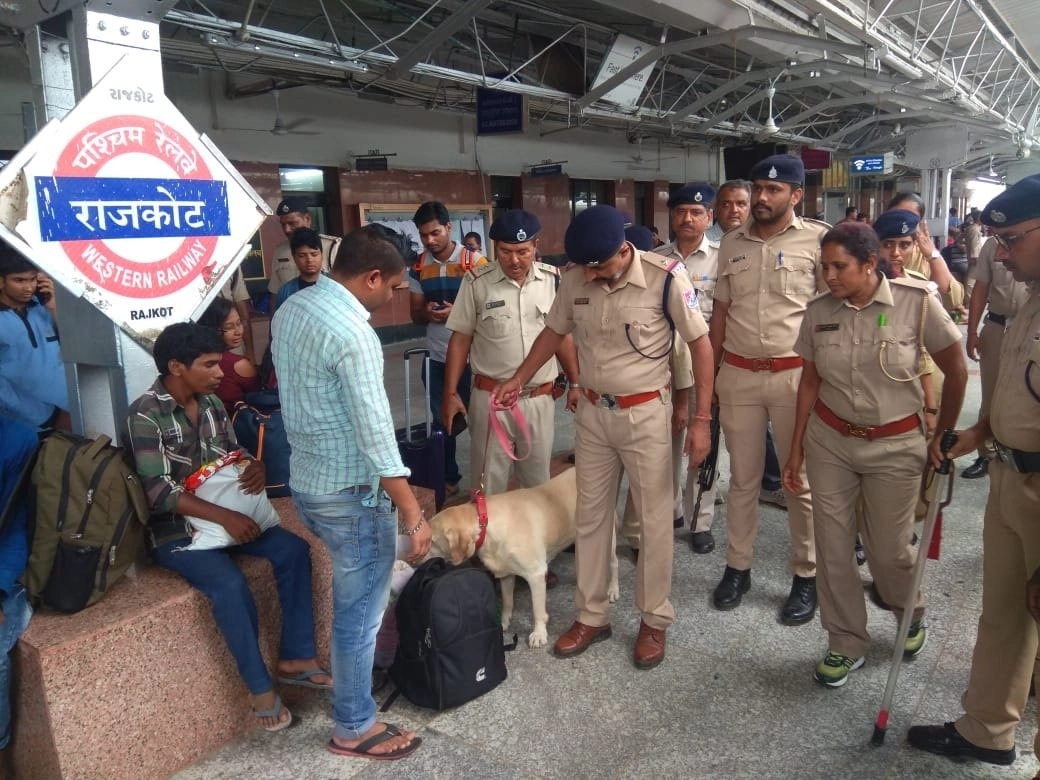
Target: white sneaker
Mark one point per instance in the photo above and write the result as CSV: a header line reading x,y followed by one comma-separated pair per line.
x,y
774,497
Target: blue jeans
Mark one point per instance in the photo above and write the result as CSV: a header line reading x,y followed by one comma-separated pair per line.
x,y
222,582
435,383
361,542
16,617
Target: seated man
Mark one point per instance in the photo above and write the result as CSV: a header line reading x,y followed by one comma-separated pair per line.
x,y
172,430
305,245
32,375
17,443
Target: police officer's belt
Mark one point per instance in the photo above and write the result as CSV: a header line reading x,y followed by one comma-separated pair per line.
x,y
1018,460
868,432
764,364
621,401
999,319
487,384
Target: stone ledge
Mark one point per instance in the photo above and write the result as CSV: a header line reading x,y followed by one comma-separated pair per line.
x,y
141,684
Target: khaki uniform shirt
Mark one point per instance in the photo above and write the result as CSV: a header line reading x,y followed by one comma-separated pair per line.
x,y
1006,295
235,289
1015,409
504,318
868,358
973,239
702,266
604,320
767,285
283,268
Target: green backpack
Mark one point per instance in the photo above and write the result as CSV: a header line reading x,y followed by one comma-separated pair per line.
x,y
88,524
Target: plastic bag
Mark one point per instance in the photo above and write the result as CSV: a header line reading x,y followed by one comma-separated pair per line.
x,y
217,482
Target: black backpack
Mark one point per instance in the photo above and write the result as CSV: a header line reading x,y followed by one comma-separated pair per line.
x,y
450,648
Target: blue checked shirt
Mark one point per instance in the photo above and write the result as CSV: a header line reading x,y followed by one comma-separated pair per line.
x,y
330,383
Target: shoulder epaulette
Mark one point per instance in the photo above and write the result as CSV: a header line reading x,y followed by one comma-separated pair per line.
x,y
667,264
817,223
924,285
819,297
480,270
548,267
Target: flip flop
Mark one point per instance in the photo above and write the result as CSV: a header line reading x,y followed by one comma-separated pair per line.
x,y
275,712
305,679
363,750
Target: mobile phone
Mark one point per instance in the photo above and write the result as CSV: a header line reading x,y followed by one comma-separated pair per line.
x,y
42,297
458,424
439,306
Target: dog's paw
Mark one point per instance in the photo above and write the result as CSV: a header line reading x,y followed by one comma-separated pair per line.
x,y
613,593
538,638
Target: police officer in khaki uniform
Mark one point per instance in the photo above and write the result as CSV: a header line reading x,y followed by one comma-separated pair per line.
x,y
498,314
614,300
292,214
860,431
996,288
690,214
1006,644
767,276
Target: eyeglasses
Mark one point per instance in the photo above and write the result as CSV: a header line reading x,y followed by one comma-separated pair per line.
x,y
1008,242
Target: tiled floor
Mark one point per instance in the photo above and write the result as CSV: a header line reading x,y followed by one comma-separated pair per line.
x,y
733,699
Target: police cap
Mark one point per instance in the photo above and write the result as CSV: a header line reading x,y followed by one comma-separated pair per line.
x,y
779,167
290,205
896,223
514,227
640,237
1018,203
692,195
595,235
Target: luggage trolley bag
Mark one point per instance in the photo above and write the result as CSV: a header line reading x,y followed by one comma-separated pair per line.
x,y
422,444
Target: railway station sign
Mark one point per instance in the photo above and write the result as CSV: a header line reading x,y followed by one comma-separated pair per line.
x,y
129,207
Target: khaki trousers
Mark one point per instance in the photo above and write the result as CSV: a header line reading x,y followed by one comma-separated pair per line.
x,y
488,453
685,481
990,338
639,440
1002,663
748,401
886,473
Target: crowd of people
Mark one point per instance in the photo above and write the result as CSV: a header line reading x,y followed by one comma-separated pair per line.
x,y
835,345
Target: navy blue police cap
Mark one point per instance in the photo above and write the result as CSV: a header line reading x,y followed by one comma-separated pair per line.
x,y
896,223
290,205
779,167
1018,203
595,235
514,227
692,195
640,237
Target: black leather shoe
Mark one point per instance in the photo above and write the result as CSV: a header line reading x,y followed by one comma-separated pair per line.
x,y
946,741
731,589
702,542
678,522
861,554
977,469
800,606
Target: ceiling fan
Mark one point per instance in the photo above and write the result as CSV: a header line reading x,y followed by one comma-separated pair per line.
x,y
769,127
280,127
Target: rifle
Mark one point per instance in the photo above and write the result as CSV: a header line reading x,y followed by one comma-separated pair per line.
x,y
708,469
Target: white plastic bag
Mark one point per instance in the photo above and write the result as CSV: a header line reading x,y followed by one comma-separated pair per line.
x,y
218,483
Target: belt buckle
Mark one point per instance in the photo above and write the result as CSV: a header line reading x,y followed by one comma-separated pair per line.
x,y
607,400
762,364
859,431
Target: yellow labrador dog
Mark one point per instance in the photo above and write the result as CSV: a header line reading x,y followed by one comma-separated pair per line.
x,y
526,529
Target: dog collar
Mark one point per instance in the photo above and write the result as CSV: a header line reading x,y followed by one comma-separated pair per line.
x,y
482,516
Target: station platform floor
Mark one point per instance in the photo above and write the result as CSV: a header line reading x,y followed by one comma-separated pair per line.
x,y
734,697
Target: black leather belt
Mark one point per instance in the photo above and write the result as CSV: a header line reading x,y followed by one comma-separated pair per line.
x,y
999,319
1018,460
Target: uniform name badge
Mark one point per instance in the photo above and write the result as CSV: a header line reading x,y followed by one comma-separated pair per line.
x,y
494,304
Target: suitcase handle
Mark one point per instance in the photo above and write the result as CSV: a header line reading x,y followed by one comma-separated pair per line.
x,y
408,354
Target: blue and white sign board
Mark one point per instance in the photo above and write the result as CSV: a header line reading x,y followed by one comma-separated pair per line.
x,y
866,164
622,53
130,208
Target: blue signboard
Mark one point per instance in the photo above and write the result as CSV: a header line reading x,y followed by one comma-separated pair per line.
x,y
553,169
73,208
499,112
870,163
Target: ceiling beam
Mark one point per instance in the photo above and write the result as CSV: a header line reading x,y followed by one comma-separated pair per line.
x,y
438,35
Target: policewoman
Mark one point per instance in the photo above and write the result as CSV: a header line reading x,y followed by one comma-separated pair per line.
x,y
498,313
859,428
617,301
1005,648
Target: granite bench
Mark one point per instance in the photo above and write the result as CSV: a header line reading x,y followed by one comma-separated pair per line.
x,y
141,684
